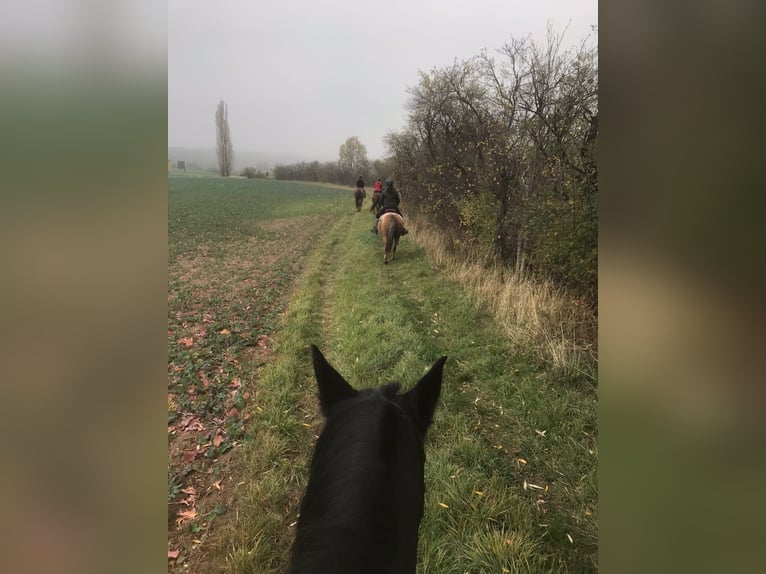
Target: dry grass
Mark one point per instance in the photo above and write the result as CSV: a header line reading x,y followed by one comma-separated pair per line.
x,y
533,314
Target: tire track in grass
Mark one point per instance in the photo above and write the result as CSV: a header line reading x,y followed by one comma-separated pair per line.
x,y
285,421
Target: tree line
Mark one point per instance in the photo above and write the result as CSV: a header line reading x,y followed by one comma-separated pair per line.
x,y
501,152
352,162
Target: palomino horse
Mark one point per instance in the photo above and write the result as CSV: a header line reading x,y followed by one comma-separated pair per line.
x,y
390,226
359,196
364,499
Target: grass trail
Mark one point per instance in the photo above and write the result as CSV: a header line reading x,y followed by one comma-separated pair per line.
x,y
512,454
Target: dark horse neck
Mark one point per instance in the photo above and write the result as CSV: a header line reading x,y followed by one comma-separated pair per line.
x,y
364,501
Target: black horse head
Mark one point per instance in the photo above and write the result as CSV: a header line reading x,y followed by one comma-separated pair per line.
x,y
364,499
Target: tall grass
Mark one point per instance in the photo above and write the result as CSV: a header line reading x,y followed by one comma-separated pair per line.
x,y
533,314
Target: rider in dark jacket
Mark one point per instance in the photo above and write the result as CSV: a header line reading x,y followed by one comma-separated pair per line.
x,y
389,201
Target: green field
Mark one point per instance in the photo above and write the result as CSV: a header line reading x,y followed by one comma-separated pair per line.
x,y
261,269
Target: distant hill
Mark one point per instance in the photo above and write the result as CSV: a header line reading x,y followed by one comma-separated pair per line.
x,y
205,158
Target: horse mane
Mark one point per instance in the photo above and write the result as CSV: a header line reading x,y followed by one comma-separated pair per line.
x,y
354,487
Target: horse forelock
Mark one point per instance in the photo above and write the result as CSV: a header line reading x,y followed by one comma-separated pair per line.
x,y
356,422
363,442
389,391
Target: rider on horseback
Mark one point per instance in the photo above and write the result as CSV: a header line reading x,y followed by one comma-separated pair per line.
x,y
389,202
376,191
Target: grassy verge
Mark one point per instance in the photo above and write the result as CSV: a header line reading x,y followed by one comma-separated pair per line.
x,y
534,315
511,458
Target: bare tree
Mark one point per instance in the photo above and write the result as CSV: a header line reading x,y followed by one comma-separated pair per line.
x,y
223,147
352,157
501,152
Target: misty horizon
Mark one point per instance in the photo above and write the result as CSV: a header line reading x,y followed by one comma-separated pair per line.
x,y
300,78
206,158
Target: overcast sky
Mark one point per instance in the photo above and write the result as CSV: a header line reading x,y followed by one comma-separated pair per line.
x,y
301,76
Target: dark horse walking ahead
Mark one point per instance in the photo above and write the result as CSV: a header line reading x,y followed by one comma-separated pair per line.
x,y
364,499
359,196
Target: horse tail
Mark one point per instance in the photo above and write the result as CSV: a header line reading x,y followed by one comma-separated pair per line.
x,y
392,230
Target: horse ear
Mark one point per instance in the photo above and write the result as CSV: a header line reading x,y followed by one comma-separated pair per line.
x,y
333,388
424,396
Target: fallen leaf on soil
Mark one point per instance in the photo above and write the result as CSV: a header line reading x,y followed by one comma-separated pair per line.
x,y
225,332
186,342
217,484
173,554
217,440
189,456
189,490
184,515
235,383
232,412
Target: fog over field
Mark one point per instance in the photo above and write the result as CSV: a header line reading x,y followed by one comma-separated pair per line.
x,y
300,77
